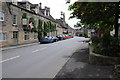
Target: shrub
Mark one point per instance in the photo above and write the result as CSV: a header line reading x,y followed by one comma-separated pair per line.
x,y
107,46
85,34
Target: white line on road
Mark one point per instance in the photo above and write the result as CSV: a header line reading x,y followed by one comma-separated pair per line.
x,y
35,51
9,59
39,50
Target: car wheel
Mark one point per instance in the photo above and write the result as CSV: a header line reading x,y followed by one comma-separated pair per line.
x,y
56,40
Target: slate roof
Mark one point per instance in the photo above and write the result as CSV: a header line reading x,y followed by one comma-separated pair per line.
x,y
22,5
60,22
41,13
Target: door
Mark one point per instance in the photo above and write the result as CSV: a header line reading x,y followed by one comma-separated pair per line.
x,y
15,37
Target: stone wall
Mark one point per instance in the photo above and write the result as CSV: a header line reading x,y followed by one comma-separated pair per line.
x,y
59,30
102,60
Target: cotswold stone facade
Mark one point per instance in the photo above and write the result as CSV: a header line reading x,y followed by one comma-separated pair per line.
x,y
13,31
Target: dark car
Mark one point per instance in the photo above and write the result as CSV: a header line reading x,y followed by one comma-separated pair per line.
x,y
55,39
60,37
46,39
63,37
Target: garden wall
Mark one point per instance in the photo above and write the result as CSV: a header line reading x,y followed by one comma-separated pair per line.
x,y
102,60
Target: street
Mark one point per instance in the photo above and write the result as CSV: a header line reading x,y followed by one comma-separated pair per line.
x,y
40,60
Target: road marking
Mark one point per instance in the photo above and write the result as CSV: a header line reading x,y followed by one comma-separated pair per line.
x,y
35,51
39,50
9,59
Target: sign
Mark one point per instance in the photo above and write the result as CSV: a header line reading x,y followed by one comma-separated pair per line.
x,y
1,16
24,21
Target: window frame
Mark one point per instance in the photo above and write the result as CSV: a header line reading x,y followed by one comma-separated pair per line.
x,y
26,36
3,36
35,35
14,19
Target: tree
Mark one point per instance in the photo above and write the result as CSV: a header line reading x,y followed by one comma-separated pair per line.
x,y
46,28
40,29
96,13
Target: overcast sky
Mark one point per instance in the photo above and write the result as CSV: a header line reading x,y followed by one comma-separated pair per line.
x,y
56,6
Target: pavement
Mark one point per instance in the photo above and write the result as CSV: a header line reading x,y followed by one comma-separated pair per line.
x,y
18,46
78,67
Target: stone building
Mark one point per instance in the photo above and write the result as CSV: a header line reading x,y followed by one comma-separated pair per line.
x,y
1,20
21,22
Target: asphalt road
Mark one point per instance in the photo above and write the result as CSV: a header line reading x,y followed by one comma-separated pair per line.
x,y
39,61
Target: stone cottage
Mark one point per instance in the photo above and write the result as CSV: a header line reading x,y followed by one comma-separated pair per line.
x,y
22,22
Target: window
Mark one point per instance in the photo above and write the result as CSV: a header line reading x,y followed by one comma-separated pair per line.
x,y
14,19
35,35
15,34
3,37
26,35
27,6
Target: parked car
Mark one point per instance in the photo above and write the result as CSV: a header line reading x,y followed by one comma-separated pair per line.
x,y
71,35
63,37
67,37
55,39
46,39
60,37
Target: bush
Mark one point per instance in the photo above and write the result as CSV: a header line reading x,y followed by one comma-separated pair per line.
x,y
95,40
85,34
107,46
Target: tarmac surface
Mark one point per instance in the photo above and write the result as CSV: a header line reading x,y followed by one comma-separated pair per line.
x,y
78,67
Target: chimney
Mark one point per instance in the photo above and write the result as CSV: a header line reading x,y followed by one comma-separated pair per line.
x,y
40,5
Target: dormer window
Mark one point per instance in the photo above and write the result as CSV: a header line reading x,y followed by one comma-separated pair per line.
x,y
37,9
27,6
45,13
48,13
